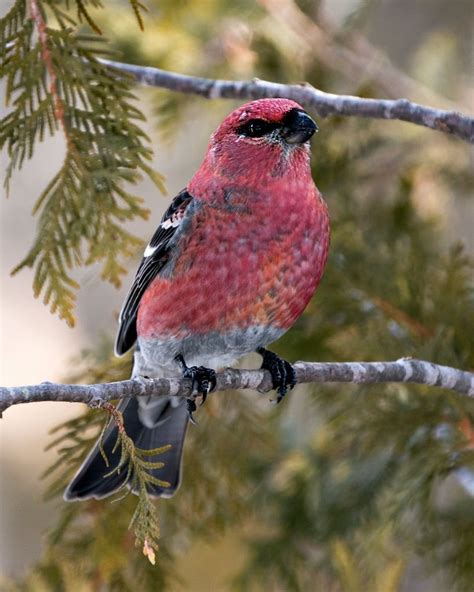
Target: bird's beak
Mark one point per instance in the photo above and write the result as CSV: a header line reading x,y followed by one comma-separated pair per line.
x,y
298,127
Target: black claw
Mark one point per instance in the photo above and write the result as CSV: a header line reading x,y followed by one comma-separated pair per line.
x,y
283,373
203,382
191,407
203,399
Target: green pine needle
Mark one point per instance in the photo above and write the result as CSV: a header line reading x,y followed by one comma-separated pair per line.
x,y
138,7
83,209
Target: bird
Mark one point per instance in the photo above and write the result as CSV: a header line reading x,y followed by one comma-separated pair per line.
x,y
235,260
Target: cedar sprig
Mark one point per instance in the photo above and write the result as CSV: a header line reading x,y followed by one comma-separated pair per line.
x,y
53,82
133,461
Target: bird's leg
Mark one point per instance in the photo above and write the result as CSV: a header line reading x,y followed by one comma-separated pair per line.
x,y
283,373
203,382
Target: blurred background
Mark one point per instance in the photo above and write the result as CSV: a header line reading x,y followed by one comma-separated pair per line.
x,y
339,488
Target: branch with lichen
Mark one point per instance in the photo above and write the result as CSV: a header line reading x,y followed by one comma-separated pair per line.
x,y
324,104
405,370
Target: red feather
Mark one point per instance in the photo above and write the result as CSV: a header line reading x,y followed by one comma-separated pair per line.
x,y
255,252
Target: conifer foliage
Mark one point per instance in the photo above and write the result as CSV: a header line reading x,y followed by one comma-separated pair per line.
x,y
54,80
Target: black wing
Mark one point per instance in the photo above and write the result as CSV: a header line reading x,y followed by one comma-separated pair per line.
x,y
155,257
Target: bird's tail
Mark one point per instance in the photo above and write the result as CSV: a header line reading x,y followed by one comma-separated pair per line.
x,y
150,425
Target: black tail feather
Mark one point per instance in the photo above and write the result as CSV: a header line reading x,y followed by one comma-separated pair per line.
x,y
169,427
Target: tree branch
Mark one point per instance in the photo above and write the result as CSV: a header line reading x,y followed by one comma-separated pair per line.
x,y
325,104
96,395
356,58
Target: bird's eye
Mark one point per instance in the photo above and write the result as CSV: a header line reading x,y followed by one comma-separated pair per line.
x,y
256,128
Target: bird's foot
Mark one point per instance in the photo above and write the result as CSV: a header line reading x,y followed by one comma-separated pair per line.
x,y
283,373
203,382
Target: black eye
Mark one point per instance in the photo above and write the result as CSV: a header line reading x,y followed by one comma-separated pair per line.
x,y
256,128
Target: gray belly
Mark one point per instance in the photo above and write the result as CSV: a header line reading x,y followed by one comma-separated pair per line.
x,y
155,357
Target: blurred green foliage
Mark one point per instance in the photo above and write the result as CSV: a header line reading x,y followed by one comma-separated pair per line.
x,y
339,488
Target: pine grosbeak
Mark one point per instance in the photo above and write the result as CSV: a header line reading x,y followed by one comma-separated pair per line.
x,y
232,265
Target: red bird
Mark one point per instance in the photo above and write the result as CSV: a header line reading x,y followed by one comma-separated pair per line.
x,y
232,265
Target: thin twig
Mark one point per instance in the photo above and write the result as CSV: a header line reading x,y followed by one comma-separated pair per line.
x,y
324,104
40,24
96,395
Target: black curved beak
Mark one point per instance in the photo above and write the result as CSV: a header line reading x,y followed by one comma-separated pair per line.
x,y
298,127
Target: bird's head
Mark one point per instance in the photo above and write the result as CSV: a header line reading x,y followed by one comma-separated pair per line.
x,y
268,136
266,121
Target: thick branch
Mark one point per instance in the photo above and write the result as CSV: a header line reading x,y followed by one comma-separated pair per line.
x,y
95,395
324,104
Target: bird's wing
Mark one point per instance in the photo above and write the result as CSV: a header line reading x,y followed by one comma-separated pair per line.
x,y
154,259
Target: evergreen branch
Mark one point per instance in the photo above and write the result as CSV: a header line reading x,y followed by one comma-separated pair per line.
x,y
405,370
40,23
324,104
57,81
145,522
83,13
